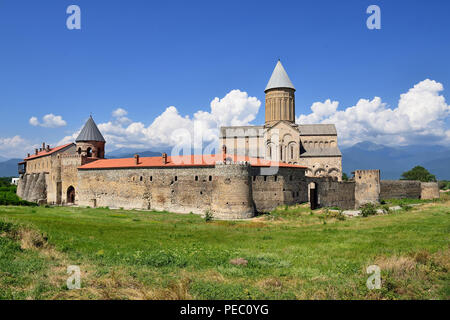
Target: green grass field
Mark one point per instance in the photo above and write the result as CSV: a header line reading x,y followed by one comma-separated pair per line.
x,y
291,253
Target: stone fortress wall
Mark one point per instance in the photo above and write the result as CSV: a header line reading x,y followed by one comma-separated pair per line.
x,y
399,189
333,193
287,186
223,189
430,190
228,190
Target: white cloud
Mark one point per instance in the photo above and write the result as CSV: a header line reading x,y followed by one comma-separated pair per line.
x,y
15,147
119,112
120,116
171,128
48,121
34,121
419,118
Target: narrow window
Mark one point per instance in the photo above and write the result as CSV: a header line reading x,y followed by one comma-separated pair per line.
x,y
176,178
292,152
275,178
196,178
151,178
254,178
140,178
210,178
265,178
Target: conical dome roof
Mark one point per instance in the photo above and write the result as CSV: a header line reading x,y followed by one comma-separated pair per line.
x,y
90,132
279,78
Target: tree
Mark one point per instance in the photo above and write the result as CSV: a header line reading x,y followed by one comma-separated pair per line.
x,y
344,176
418,173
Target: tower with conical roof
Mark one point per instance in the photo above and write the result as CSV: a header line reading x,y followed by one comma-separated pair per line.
x,y
90,141
280,97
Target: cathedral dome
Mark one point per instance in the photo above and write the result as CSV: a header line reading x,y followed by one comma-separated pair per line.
x,y
279,78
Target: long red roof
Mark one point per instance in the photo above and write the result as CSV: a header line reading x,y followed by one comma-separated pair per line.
x,y
44,152
181,161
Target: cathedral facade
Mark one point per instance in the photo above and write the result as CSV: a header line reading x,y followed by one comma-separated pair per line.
x,y
314,146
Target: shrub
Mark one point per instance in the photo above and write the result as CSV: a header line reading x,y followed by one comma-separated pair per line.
x,y
368,209
8,196
386,208
341,216
405,206
208,216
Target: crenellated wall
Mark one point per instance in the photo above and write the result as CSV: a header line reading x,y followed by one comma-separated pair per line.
x,y
286,186
333,193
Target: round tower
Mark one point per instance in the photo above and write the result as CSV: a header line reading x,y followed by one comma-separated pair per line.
x,y
232,194
90,142
280,97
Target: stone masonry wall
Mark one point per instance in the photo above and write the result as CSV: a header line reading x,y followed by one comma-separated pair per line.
x,y
397,189
33,187
287,186
224,189
367,187
429,190
333,193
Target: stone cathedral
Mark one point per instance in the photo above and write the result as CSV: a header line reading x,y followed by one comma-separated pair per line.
x,y
314,146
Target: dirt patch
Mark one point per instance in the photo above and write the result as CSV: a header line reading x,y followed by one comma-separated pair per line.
x,y
31,239
399,266
270,283
239,262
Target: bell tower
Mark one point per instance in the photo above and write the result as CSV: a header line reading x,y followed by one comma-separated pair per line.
x,y
280,97
90,142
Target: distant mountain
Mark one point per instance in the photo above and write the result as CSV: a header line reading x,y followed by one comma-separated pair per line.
x,y
130,152
393,161
8,168
440,167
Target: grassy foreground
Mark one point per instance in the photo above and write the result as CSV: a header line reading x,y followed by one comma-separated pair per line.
x,y
291,253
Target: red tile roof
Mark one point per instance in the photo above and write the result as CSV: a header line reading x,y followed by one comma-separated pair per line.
x,y
181,161
44,153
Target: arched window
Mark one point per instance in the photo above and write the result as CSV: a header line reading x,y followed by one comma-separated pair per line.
x,y
79,150
89,152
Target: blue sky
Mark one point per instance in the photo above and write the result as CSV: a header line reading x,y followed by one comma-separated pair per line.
x,y
144,56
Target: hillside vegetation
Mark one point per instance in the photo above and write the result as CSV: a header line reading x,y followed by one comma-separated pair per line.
x,y
8,194
292,253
